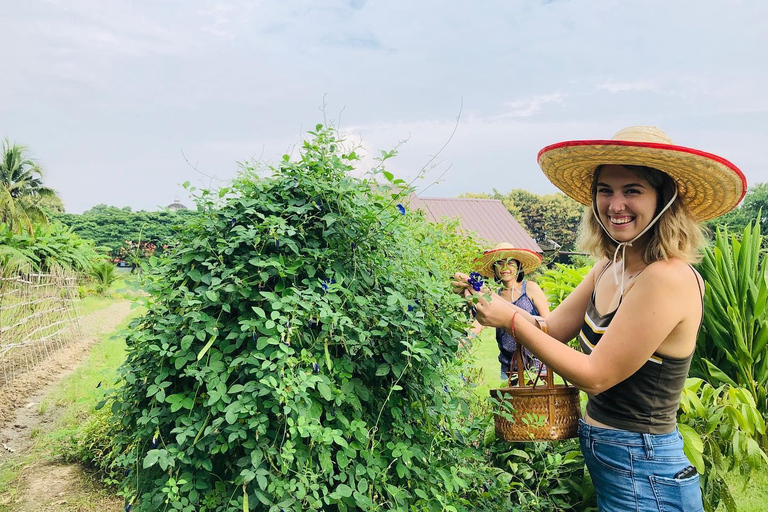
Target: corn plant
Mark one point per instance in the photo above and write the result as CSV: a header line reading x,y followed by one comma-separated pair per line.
x,y
731,345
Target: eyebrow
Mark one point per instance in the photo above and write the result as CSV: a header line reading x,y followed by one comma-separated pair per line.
x,y
628,185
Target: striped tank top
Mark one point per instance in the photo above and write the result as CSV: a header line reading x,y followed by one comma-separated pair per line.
x,y
646,401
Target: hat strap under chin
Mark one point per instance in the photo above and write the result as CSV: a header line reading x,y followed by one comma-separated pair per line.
x,y
622,246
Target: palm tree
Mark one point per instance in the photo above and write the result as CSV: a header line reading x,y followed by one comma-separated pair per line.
x,y
21,189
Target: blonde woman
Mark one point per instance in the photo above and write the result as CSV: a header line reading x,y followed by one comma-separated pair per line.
x,y
638,311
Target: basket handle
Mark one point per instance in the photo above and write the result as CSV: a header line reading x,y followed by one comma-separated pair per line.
x,y
550,383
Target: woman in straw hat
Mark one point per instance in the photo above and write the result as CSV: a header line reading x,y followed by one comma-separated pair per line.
x,y
509,265
638,311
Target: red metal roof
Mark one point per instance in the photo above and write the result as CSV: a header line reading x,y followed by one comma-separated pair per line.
x,y
486,217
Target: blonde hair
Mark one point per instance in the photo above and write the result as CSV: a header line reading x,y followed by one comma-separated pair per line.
x,y
675,234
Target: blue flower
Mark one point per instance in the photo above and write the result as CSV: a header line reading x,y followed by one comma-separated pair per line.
x,y
98,385
255,337
476,281
277,244
232,222
445,388
326,283
353,245
401,209
315,368
127,472
311,323
155,442
462,378
128,508
410,308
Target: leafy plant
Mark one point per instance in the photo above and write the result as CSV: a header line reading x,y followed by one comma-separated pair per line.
x,y
721,428
104,274
21,187
731,345
300,352
48,247
546,476
560,281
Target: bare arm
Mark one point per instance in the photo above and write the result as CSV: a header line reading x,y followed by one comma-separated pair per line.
x,y
646,319
538,298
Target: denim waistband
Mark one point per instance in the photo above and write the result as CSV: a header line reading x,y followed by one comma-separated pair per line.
x,y
625,436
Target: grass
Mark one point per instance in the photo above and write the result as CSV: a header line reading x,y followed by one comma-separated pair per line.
x,y
78,393
486,364
81,390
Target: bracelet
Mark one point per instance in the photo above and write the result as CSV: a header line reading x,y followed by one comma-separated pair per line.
x,y
542,324
512,325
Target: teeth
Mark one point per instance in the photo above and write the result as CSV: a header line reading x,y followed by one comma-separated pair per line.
x,y
621,221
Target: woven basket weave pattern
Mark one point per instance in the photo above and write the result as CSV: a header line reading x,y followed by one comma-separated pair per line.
x,y
559,405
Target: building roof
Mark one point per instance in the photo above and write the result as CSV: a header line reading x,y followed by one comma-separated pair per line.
x,y
176,205
486,217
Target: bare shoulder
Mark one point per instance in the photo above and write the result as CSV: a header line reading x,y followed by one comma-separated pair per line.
x,y
673,273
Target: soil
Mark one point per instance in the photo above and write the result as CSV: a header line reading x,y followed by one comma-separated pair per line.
x,y
44,484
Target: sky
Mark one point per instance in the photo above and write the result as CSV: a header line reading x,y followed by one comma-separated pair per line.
x,y
123,101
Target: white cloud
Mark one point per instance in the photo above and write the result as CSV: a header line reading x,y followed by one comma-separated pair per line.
x,y
617,87
530,106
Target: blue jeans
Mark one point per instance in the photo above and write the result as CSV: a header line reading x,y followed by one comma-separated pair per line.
x,y
635,472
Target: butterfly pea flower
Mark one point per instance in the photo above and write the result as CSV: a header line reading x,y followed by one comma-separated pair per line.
x,y
128,507
315,368
476,281
311,323
410,307
401,209
155,442
326,283
232,222
462,378
353,245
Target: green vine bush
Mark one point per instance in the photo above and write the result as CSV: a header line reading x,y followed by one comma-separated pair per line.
x,y
302,351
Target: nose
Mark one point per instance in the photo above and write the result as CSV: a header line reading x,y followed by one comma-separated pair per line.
x,y
616,205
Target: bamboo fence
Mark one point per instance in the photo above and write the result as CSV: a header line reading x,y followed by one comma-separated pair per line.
x,y
38,315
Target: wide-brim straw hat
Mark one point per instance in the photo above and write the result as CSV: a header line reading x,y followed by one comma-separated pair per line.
x,y
708,185
528,259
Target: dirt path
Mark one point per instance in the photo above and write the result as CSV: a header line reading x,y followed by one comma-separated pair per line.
x,y
44,485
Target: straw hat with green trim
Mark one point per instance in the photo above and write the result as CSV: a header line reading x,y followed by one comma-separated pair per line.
x,y
528,259
708,185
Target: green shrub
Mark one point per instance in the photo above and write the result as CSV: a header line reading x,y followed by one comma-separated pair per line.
x,y
300,352
104,274
547,477
731,345
721,428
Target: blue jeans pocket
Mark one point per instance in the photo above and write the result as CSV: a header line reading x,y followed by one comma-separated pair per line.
x,y
677,495
613,457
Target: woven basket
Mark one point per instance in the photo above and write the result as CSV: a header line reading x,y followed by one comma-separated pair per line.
x,y
559,405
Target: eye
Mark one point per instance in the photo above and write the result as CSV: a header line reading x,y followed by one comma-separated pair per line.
x,y
604,190
633,191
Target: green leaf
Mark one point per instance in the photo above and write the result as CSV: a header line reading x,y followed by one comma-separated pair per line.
x,y
344,490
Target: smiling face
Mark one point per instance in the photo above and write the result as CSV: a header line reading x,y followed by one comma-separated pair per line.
x,y
506,270
625,201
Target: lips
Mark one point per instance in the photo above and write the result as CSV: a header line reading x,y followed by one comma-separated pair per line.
x,y
620,221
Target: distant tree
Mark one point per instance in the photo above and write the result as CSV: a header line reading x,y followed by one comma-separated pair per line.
x,y
736,220
103,208
21,189
114,228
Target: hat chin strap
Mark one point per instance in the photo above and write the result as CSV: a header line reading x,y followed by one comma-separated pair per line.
x,y
622,246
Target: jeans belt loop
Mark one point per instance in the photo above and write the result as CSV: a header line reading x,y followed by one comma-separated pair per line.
x,y
648,445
